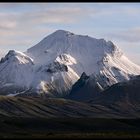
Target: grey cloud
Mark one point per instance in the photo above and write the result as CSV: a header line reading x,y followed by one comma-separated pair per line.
x,y
22,27
130,35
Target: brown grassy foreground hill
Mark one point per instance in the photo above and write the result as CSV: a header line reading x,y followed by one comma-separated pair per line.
x,y
59,107
35,117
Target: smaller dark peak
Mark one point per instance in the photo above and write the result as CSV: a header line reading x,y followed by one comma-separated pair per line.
x,y
80,83
84,76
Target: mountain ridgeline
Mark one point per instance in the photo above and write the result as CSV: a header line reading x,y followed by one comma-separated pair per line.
x,y
59,64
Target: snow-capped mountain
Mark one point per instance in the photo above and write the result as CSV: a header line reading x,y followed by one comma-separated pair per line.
x,y
54,64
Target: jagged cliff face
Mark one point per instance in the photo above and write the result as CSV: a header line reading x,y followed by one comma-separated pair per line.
x,y
57,62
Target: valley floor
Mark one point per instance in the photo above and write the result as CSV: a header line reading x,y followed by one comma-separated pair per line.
x,y
68,128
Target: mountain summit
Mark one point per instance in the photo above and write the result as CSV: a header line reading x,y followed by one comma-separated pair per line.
x,y
57,62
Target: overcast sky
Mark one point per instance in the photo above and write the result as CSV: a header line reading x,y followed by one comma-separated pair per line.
x,y
22,25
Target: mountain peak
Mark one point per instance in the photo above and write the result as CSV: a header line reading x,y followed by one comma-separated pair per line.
x,y
61,58
88,52
12,53
62,33
16,56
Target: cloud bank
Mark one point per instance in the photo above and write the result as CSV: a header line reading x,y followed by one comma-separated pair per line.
x,y
25,24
